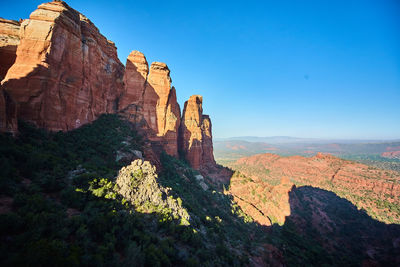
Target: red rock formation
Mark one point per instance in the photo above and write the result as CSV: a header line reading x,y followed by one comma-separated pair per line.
x,y
265,203
160,107
391,154
354,181
9,40
66,73
196,135
150,102
135,77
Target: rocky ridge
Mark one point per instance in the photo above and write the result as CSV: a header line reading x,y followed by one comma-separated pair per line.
x,y
59,73
372,189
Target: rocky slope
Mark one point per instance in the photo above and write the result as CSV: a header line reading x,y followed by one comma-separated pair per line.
x,y
369,188
59,73
321,226
66,199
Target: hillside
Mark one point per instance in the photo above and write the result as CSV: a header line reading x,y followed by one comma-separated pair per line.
x,y
67,200
323,203
379,154
100,166
375,190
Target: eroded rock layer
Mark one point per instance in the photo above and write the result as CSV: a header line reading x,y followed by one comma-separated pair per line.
x,y
61,73
351,180
66,73
135,77
150,102
195,134
9,40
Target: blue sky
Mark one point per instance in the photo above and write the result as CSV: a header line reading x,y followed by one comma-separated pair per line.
x,y
324,69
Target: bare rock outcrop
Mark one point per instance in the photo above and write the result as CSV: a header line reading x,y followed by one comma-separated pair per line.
x,y
9,40
195,135
61,73
66,73
150,102
135,77
138,184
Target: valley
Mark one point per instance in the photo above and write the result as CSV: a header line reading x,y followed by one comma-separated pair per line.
x,y
100,165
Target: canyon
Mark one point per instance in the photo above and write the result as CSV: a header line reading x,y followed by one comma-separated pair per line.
x,y
59,73
101,166
374,190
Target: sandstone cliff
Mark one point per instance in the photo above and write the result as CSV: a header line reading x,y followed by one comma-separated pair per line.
x,y
61,73
150,102
9,40
195,134
65,73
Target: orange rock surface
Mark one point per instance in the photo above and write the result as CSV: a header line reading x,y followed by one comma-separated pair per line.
x,y
9,40
66,73
135,77
196,134
150,102
61,73
265,203
364,186
391,154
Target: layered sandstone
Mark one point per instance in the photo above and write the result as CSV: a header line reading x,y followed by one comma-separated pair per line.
x,y
150,101
354,181
9,40
135,77
61,73
196,135
66,73
265,203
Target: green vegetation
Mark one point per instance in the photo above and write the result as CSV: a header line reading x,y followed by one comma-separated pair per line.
x,y
61,206
375,160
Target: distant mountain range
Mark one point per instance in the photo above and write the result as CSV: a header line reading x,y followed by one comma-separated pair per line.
x,y
377,153
290,139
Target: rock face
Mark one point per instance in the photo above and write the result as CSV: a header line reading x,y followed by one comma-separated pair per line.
x,y
61,73
138,184
265,203
9,40
66,73
195,134
135,77
149,101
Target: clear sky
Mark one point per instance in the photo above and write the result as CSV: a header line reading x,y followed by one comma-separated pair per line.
x,y
324,69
